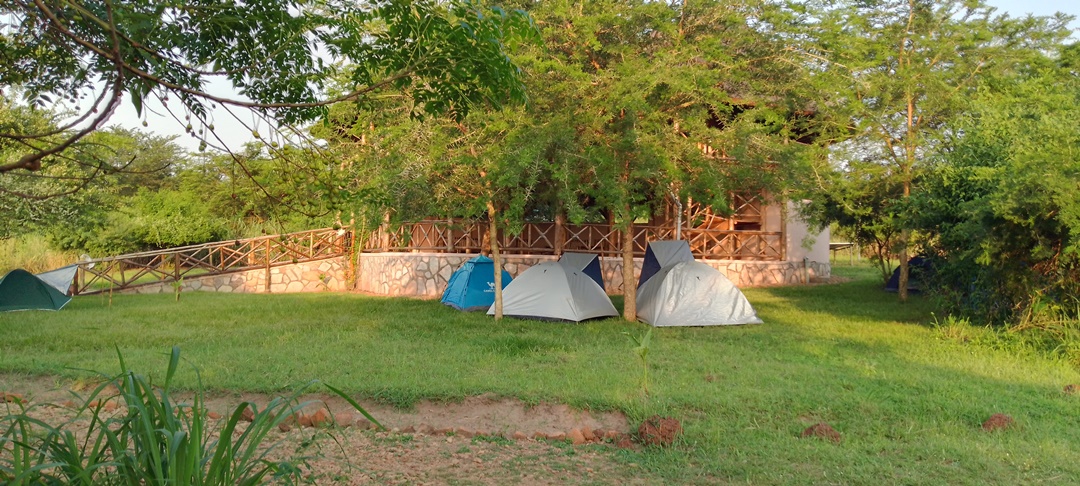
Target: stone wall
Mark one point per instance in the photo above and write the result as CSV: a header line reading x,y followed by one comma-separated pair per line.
x,y
427,274
317,276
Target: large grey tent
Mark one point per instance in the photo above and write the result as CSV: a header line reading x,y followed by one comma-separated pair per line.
x,y
661,254
690,293
554,291
584,262
21,290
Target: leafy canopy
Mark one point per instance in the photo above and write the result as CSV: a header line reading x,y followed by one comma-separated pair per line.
x,y
445,56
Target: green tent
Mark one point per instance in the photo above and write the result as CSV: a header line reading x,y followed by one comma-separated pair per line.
x,y
21,290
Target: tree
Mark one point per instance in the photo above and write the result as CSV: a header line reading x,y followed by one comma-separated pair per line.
x,y
445,57
74,192
623,97
1000,209
901,70
695,100
863,201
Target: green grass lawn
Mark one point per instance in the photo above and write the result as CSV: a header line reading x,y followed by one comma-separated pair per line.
x,y
908,400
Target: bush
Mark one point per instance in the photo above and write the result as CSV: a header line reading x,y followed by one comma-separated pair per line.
x,y
1001,210
32,253
148,221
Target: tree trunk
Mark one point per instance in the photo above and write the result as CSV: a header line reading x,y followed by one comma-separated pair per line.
x,y
903,280
384,238
494,239
359,242
905,235
629,285
910,147
560,231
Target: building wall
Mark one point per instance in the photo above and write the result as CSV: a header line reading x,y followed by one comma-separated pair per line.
x,y
427,274
803,241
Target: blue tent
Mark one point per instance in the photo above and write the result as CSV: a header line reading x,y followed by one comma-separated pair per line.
x,y
472,287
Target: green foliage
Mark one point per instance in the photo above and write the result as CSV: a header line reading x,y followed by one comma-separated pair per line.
x,y
1001,211
614,120
867,205
901,71
149,220
31,253
447,55
171,218
442,58
73,199
74,186
641,349
155,441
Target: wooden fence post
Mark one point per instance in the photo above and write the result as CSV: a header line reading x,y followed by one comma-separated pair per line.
x,y
449,235
560,232
384,239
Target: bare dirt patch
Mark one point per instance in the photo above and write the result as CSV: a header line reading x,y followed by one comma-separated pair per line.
x,y
480,440
830,280
661,431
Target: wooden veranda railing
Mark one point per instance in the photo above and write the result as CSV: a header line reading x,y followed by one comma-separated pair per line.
x,y
173,264
552,239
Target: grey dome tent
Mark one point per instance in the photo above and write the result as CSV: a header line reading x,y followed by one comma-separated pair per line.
x,y
584,262
690,293
660,254
554,291
21,290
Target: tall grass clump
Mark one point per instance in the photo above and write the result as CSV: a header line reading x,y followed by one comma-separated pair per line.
x,y
1054,326
32,253
156,441
1043,332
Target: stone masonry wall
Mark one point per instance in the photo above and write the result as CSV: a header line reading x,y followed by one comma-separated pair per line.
x,y
427,274
317,276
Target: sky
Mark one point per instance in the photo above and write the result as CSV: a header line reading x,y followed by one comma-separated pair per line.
x,y
236,134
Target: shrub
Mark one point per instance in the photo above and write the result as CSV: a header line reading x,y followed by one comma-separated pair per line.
x,y
32,253
156,441
1001,210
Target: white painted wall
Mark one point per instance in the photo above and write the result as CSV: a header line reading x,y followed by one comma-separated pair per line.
x,y
802,242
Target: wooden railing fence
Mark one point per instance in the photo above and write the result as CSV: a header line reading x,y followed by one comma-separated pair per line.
x,y
552,239
173,264
438,236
